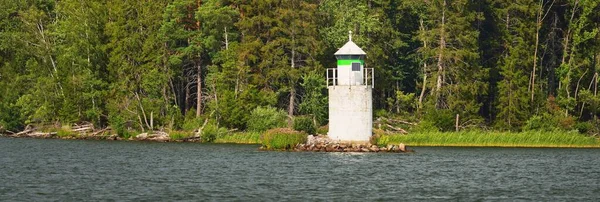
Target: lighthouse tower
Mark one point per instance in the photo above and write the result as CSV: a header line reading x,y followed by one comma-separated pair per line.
x,y
350,88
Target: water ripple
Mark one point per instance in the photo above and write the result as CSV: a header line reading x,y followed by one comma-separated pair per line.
x,y
61,170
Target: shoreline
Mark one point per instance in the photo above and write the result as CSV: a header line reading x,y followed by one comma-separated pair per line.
x,y
483,139
111,138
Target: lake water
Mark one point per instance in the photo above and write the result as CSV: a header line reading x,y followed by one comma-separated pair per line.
x,y
65,170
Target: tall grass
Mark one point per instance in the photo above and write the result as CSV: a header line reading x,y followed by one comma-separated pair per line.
x,y
493,139
240,138
177,135
282,138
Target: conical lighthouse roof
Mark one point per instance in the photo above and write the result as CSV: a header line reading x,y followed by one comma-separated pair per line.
x,y
350,48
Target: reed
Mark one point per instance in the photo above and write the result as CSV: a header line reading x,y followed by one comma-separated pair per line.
x,y
240,138
493,139
282,138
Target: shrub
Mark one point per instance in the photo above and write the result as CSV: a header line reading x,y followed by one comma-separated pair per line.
x,y
265,118
176,135
211,132
191,124
282,138
65,132
584,127
323,129
120,126
549,122
442,119
305,123
537,123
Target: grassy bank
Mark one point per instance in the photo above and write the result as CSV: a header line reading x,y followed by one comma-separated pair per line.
x,y
239,138
494,139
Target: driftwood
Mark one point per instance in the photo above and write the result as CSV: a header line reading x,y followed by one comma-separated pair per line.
x,y
4,131
398,121
24,132
397,129
83,128
101,131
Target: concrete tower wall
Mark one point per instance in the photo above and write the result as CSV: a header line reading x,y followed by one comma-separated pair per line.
x,y
350,113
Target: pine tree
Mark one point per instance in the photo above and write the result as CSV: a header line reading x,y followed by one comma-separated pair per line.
x,y
452,58
517,34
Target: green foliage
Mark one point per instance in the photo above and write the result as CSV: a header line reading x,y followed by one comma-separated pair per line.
x,y
135,65
211,132
549,122
305,124
405,102
240,138
323,130
120,126
177,135
442,120
584,127
314,102
493,139
265,118
192,123
65,132
282,138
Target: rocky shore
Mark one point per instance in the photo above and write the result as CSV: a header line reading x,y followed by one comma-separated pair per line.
x,y
88,132
324,144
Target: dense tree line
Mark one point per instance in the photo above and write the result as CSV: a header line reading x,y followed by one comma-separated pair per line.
x,y
148,65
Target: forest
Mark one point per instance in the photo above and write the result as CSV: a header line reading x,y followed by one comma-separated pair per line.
x,y
169,65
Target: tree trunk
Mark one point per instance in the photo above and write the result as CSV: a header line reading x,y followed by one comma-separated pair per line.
x,y
440,58
566,45
199,89
424,87
540,19
187,98
291,106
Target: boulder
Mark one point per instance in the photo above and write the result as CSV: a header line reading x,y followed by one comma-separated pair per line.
x,y
142,136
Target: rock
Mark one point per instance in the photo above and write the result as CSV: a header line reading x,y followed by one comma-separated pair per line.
x,y
402,147
142,136
310,139
364,150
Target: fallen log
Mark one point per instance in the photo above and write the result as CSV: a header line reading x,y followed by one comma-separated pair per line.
x,y
397,129
101,131
24,133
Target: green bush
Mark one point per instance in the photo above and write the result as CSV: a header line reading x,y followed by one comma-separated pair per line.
x,y
442,119
64,132
211,132
306,124
584,127
177,135
265,118
282,138
323,130
120,127
537,123
550,122
192,124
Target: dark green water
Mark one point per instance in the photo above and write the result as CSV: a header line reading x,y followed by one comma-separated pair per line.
x,y
61,170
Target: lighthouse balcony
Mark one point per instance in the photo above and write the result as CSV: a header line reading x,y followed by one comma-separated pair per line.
x,y
363,77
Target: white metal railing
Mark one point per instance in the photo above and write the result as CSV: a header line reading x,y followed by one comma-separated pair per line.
x,y
368,77
331,77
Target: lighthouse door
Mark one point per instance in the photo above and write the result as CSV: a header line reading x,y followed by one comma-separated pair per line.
x,y
357,77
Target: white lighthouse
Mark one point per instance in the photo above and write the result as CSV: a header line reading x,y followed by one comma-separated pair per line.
x,y
350,96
